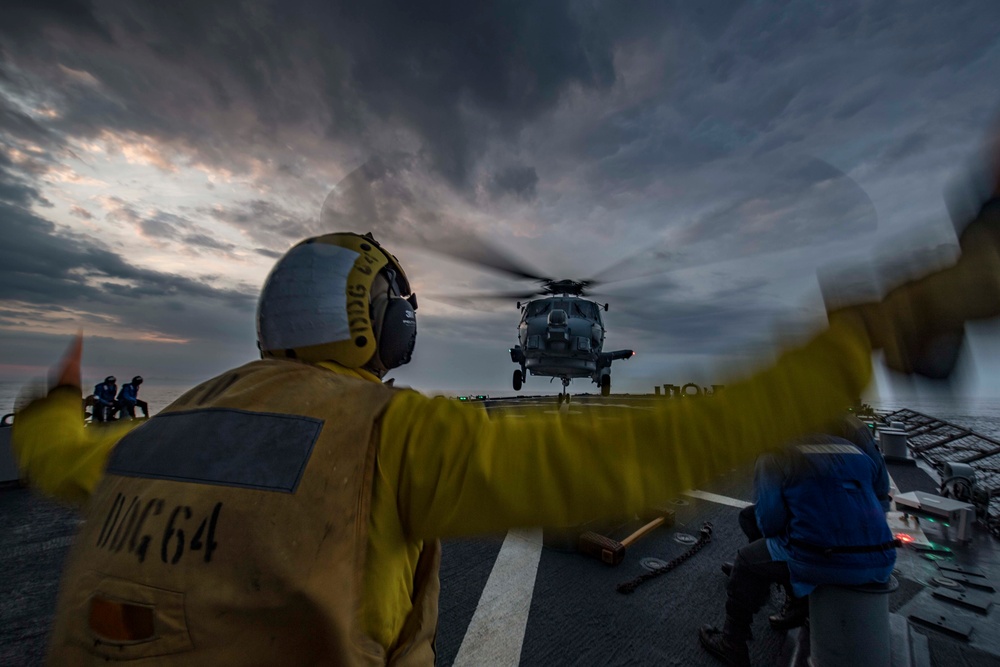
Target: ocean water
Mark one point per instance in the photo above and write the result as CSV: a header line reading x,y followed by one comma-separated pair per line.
x,y
979,414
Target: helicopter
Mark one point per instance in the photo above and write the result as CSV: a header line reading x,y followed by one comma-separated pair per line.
x,y
561,335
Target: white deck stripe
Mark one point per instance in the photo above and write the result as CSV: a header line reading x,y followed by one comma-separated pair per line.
x,y
716,498
496,632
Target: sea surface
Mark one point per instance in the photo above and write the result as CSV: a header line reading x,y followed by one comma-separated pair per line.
x,y
979,414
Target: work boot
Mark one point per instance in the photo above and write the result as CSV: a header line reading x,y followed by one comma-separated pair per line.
x,y
728,649
727,568
793,614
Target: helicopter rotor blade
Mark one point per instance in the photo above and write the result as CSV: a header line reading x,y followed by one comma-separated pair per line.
x,y
466,246
778,218
387,195
474,300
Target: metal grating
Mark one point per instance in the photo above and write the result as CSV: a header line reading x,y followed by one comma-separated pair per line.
x,y
937,442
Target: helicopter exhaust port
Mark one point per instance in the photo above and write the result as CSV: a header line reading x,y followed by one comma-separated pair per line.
x,y
608,357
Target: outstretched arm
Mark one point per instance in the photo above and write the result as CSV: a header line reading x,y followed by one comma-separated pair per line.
x,y
53,448
459,473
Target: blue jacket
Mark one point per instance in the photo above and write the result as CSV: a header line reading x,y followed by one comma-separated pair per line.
x,y
129,394
105,393
818,497
861,436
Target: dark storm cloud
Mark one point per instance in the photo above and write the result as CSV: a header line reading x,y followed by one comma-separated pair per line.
x,y
164,225
26,19
910,145
206,241
159,228
445,73
518,181
705,326
794,208
265,222
15,190
264,252
80,212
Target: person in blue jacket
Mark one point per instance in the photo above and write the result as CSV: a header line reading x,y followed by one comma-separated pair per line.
x,y
821,512
128,399
795,610
104,399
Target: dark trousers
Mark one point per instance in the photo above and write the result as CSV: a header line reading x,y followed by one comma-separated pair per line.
x,y
129,408
750,585
102,412
748,523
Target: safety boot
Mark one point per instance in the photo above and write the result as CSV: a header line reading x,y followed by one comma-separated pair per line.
x,y
793,614
727,646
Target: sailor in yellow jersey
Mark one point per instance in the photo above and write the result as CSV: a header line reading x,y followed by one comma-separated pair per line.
x,y
288,511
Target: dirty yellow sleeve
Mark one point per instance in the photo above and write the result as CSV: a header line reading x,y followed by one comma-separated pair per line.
x,y
460,473
56,452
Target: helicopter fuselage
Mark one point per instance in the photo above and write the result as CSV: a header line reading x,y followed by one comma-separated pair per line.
x,y
563,337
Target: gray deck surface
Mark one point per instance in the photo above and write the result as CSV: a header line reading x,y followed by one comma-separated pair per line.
x,y
576,616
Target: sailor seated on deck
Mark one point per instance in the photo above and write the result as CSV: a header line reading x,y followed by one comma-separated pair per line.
x,y
795,610
821,515
128,399
104,399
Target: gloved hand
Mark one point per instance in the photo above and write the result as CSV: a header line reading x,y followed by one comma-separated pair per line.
x,y
913,327
920,324
68,371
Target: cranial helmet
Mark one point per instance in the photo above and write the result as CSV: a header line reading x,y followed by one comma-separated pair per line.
x,y
137,379
111,379
338,297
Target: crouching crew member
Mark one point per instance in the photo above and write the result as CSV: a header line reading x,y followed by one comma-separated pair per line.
x,y
128,399
104,399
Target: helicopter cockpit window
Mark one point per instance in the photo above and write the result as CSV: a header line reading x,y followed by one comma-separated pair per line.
x,y
536,308
585,309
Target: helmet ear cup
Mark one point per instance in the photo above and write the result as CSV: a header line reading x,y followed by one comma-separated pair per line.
x,y
397,332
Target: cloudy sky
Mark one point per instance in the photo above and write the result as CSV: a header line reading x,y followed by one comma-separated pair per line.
x,y
706,159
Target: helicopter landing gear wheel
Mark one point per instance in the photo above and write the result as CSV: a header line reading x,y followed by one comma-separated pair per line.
x,y
518,380
605,385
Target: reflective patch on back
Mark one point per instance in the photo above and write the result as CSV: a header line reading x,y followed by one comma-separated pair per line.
x,y
220,446
828,449
117,621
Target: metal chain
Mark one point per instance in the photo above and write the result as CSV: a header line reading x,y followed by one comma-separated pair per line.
x,y
706,537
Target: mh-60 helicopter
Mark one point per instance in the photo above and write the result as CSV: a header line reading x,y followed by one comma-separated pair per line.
x,y
562,336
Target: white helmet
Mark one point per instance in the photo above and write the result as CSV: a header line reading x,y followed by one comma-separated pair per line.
x,y
338,297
